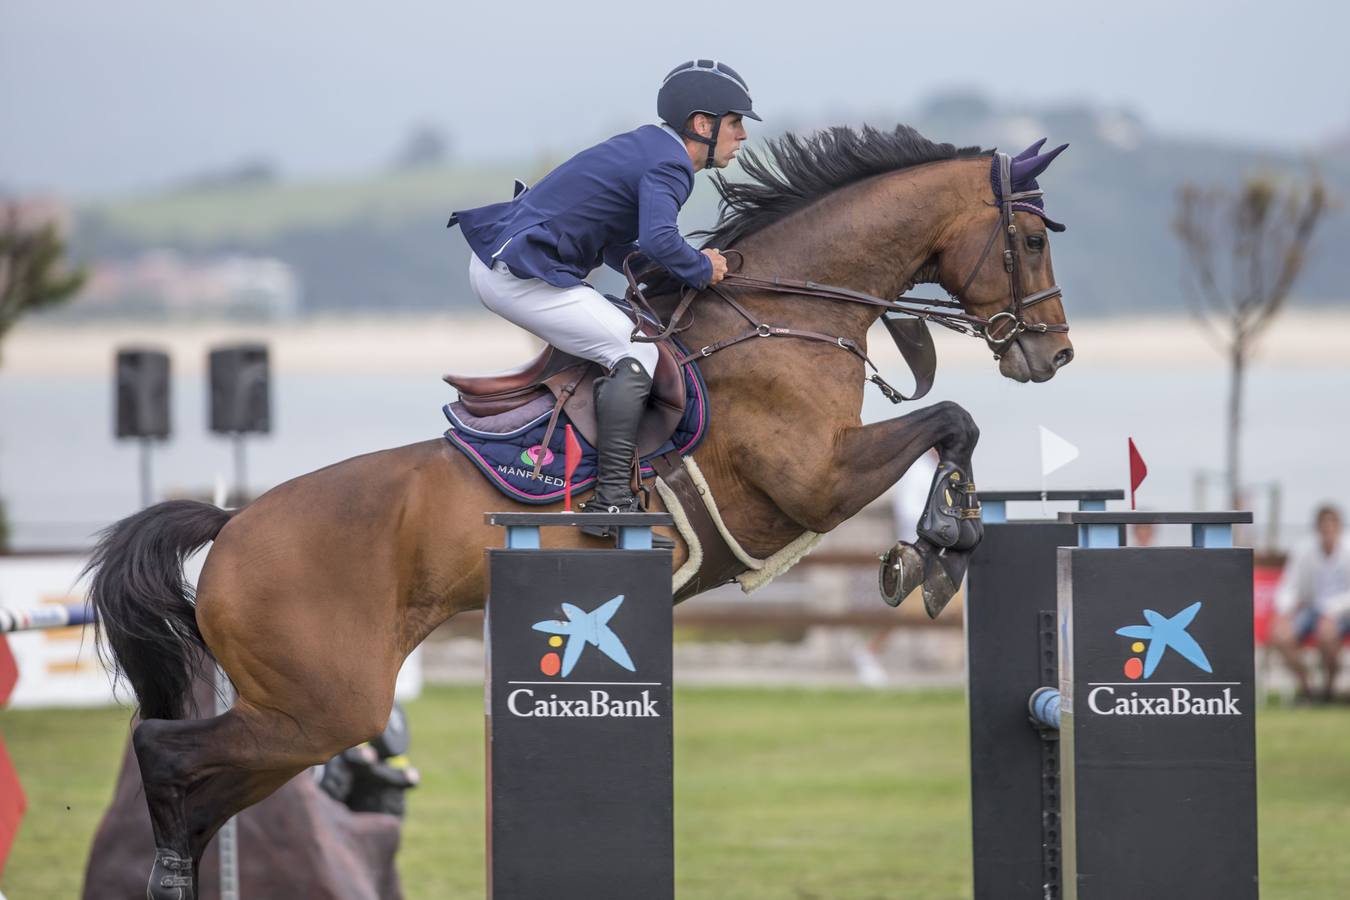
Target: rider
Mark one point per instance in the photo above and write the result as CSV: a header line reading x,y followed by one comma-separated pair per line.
x,y
531,255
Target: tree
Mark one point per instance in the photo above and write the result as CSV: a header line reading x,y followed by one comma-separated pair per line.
x,y
1244,252
33,271
33,274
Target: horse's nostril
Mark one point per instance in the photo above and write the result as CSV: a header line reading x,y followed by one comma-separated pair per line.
x,y
1063,357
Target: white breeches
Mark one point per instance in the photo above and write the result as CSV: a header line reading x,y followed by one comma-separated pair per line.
x,y
577,320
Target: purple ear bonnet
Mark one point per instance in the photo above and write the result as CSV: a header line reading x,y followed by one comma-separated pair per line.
x,y
1025,166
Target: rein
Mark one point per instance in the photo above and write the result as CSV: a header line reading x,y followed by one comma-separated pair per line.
x,y
997,331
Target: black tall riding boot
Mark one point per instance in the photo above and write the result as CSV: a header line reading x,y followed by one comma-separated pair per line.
x,y
620,398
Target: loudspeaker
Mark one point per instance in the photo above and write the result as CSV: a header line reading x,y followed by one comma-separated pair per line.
x,y
142,393
240,397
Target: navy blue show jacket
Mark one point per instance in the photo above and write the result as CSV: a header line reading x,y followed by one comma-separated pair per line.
x,y
599,206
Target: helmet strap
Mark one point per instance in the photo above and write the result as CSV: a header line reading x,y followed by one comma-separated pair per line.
x,y
710,141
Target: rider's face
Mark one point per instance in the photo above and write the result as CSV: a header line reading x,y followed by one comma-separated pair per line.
x,y
729,140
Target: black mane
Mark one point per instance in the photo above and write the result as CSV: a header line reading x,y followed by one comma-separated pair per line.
x,y
797,171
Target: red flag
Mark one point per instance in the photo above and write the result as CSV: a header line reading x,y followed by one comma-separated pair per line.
x,y
9,671
571,459
12,801
1138,471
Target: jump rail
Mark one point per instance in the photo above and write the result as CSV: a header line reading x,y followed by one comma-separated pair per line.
x,y
41,617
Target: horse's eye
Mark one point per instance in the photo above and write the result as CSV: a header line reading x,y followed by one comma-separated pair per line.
x,y
1036,241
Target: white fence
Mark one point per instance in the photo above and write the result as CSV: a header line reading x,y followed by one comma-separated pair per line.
x,y
59,666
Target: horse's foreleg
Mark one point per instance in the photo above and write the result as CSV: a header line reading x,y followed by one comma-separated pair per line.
x,y
868,459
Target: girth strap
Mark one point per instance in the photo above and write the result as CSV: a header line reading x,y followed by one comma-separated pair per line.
x,y
718,563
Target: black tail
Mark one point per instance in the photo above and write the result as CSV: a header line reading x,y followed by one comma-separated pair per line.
x,y
144,606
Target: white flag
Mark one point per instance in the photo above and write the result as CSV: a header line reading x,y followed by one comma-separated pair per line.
x,y
1055,451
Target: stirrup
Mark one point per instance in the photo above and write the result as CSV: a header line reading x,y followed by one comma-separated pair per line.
x,y
633,504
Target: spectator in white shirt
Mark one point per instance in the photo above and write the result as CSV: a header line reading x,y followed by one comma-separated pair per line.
x,y
1313,600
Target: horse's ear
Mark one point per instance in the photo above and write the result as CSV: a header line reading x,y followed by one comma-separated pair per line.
x,y
1024,171
1031,151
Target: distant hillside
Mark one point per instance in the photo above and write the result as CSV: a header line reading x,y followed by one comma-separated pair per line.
x,y
381,243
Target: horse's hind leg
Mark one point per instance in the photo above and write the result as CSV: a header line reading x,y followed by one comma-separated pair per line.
x,y
197,773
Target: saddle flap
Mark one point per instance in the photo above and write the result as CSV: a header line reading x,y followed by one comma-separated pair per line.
x,y
664,410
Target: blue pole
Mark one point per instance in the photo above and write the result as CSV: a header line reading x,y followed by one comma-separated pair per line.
x,y
44,617
1044,707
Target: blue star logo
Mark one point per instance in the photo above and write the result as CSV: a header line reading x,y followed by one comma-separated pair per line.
x,y
1162,632
582,628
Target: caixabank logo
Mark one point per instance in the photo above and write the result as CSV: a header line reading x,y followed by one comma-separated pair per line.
x,y
582,629
1161,638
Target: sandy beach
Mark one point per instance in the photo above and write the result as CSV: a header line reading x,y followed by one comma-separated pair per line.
x,y
407,344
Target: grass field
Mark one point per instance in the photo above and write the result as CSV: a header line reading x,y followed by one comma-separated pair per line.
x,y
260,212
800,795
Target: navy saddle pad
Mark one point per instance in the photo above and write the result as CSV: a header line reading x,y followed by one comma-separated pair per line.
x,y
505,447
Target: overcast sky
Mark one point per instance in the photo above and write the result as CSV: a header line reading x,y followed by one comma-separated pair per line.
x,y
100,97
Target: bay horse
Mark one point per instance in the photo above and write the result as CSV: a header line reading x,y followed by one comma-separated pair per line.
x,y
313,594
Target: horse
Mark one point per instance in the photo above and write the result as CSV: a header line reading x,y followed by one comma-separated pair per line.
x,y
312,595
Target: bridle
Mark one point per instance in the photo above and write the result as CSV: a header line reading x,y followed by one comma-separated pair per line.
x,y
997,331
993,333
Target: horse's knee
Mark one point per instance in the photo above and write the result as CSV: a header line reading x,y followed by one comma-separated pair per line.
x,y
965,423
965,434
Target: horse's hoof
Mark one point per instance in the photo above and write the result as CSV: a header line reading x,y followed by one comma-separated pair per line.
x,y
901,573
171,878
944,575
938,591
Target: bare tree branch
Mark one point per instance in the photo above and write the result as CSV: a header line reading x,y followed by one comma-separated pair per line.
x,y
1258,239
1303,213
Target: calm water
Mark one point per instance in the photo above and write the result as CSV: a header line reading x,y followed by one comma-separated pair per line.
x,y
63,475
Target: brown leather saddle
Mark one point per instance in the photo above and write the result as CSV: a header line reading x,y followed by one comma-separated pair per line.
x,y
569,380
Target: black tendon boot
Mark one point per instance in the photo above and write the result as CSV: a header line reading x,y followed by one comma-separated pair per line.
x,y
620,398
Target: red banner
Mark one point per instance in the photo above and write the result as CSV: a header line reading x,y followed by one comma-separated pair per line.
x,y
9,671
12,801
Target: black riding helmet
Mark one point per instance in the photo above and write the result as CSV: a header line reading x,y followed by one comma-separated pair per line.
x,y
703,86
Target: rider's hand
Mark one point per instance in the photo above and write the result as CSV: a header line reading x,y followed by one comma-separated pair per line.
x,y
719,265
